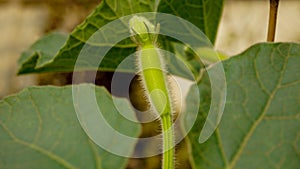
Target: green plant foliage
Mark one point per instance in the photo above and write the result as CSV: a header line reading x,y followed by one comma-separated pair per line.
x,y
41,52
39,129
64,58
261,123
259,128
205,14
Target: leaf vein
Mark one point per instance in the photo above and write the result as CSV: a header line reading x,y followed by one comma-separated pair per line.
x,y
260,118
32,146
40,120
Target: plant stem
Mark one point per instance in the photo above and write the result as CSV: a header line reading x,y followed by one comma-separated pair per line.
x,y
168,141
154,81
272,20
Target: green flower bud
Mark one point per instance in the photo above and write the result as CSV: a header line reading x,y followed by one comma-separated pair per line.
x,y
142,30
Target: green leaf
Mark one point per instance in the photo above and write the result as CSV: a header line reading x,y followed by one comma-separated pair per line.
x,y
205,14
39,129
36,60
64,60
41,52
261,122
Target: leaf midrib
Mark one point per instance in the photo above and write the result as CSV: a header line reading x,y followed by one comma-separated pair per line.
x,y
237,155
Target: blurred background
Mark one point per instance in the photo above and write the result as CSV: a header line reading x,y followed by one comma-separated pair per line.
x,y
243,23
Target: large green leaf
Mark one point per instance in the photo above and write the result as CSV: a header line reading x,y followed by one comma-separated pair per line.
x,y
204,14
39,129
64,59
261,122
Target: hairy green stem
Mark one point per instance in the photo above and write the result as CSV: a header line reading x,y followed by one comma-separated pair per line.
x,y
157,90
168,141
154,81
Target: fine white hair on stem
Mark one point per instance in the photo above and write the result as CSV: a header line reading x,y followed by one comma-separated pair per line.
x,y
155,82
